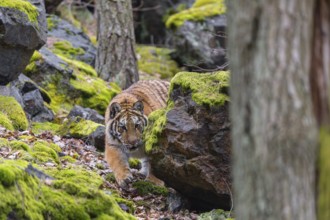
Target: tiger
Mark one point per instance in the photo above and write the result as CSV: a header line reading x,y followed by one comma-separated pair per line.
x,y
125,119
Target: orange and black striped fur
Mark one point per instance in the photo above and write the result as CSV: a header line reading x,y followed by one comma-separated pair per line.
x,y
125,119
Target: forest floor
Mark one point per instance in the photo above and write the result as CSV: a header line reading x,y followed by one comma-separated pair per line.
x,y
146,206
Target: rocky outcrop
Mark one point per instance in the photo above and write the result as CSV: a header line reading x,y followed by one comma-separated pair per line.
x,y
22,30
201,45
192,150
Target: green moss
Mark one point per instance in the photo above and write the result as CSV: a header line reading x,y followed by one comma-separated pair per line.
x,y
23,6
4,142
208,89
67,159
65,48
42,151
84,185
146,187
156,123
6,122
51,23
19,145
79,128
96,93
216,214
156,61
14,112
200,10
323,206
32,66
39,127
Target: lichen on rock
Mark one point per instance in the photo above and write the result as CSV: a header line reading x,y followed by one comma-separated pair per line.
x,y
200,10
13,110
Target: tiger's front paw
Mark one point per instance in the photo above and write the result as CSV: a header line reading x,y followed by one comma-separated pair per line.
x,y
124,181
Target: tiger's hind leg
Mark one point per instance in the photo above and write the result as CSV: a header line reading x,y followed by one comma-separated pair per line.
x,y
118,162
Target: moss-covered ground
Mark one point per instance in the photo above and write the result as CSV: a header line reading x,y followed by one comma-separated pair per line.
x,y
55,192
72,194
200,10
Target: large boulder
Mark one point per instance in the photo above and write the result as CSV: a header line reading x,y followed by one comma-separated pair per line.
x,y
189,141
22,30
198,36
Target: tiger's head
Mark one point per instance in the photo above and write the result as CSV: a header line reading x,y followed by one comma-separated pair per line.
x,y
126,124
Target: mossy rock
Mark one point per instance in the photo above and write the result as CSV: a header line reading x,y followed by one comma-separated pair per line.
x,y
78,128
43,151
156,61
210,89
14,112
19,145
6,122
66,49
23,6
156,123
73,82
145,187
29,198
199,11
39,127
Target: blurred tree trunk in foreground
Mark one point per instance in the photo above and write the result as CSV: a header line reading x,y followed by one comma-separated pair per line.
x,y
320,80
116,59
274,129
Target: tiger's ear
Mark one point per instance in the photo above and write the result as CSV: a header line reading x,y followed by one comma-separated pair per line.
x,y
114,109
138,106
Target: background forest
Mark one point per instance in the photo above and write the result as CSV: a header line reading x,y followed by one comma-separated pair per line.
x,y
249,144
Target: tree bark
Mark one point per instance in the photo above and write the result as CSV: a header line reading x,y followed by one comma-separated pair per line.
x,y
274,131
320,80
116,59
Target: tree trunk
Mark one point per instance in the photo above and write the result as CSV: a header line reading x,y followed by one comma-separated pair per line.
x,y
274,133
116,60
320,80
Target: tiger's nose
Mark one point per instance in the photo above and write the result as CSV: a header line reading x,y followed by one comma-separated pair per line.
x,y
135,144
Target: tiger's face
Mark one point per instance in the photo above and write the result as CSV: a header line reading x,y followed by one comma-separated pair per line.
x,y
126,125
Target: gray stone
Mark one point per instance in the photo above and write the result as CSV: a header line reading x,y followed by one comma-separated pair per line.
x,y
200,46
19,37
86,113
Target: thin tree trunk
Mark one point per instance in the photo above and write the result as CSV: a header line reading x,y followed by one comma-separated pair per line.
x,y
274,133
116,59
320,80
